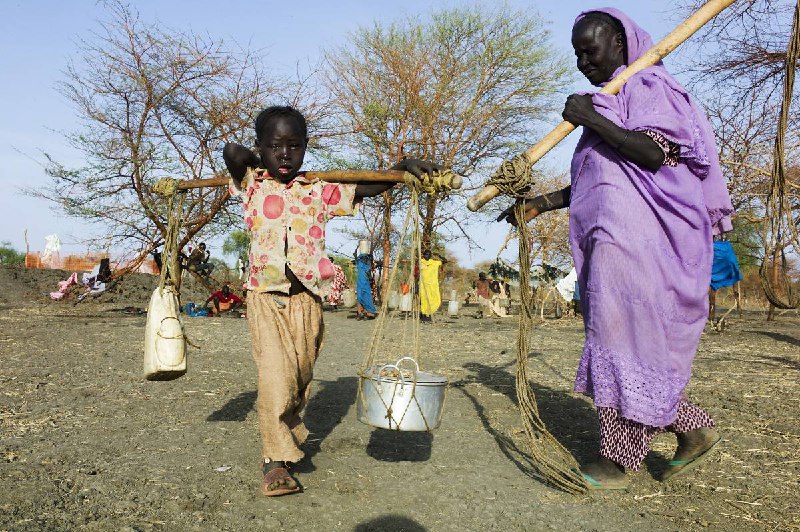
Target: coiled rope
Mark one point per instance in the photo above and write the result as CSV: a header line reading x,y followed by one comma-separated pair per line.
x,y
554,462
782,230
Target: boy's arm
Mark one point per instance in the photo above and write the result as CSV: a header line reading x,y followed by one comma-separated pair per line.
x,y
416,167
238,159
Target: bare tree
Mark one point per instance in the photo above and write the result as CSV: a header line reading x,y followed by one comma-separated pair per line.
x,y
465,88
152,103
739,62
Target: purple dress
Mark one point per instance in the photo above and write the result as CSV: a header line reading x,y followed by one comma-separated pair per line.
x,y
642,245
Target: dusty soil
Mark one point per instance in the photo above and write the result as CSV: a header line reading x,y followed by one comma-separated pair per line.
x,y
86,443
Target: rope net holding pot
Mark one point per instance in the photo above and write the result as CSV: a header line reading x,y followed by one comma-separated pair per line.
x,y
388,395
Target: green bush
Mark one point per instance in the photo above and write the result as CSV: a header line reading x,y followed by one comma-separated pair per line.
x,y
10,256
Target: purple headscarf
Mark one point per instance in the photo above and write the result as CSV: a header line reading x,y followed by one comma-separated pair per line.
x,y
715,191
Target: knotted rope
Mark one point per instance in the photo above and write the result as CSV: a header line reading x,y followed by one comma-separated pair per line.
x,y
555,463
170,264
430,184
514,177
166,187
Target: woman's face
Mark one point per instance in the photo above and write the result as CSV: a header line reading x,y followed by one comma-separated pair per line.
x,y
599,50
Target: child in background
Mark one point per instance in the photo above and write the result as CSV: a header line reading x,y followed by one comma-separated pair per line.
x,y
289,272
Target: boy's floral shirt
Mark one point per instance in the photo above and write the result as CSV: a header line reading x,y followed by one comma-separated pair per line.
x,y
287,228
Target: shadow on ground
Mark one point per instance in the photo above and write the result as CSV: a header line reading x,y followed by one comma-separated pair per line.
x,y
390,523
571,421
779,337
326,409
236,409
396,446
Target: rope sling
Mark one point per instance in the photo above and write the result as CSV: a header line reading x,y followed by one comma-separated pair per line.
x,y
780,229
170,268
376,377
555,464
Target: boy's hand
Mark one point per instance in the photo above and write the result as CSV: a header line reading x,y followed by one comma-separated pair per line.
x,y
417,167
238,159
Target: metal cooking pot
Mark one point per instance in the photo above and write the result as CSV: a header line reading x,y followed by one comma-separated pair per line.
x,y
393,398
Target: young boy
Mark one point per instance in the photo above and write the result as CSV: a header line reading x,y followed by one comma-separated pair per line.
x,y
286,215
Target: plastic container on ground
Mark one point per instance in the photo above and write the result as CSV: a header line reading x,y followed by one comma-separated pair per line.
x,y
349,298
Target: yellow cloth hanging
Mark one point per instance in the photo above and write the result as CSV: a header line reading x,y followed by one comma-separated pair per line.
x,y
430,298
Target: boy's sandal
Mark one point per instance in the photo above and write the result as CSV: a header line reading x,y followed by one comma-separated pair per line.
x,y
279,473
679,467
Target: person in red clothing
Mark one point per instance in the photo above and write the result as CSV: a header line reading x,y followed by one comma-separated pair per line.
x,y
223,301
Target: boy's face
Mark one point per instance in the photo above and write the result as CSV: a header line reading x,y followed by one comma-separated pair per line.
x,y
283,148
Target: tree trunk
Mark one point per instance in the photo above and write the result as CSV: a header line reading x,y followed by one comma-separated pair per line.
x,y
771,313
386,244
427,222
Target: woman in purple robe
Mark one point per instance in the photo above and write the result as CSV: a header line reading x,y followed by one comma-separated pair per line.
x,y
646,197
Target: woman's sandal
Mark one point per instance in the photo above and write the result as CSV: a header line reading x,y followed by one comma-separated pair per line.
x,y
621,483
679,467
273,475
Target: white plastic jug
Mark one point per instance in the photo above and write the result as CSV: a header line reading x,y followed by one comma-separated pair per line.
x,y
164,341
394,300
406,302
349,298
452,308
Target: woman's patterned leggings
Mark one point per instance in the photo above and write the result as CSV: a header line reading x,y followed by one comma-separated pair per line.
x,y
627,442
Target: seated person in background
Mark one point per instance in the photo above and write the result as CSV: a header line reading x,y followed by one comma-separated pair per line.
x,y
156,254
223,301
96,280
482,291
198,260
498,301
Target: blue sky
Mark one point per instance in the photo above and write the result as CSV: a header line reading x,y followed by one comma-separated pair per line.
x,y
37,38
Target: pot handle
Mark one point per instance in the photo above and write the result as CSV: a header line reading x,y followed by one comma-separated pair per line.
x,y
399,373
416,365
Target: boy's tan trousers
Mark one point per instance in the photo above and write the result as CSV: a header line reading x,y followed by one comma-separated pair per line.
x,y
286,333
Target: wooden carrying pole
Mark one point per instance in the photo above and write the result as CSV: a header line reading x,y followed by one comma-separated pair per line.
x,y
335,176
674,39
